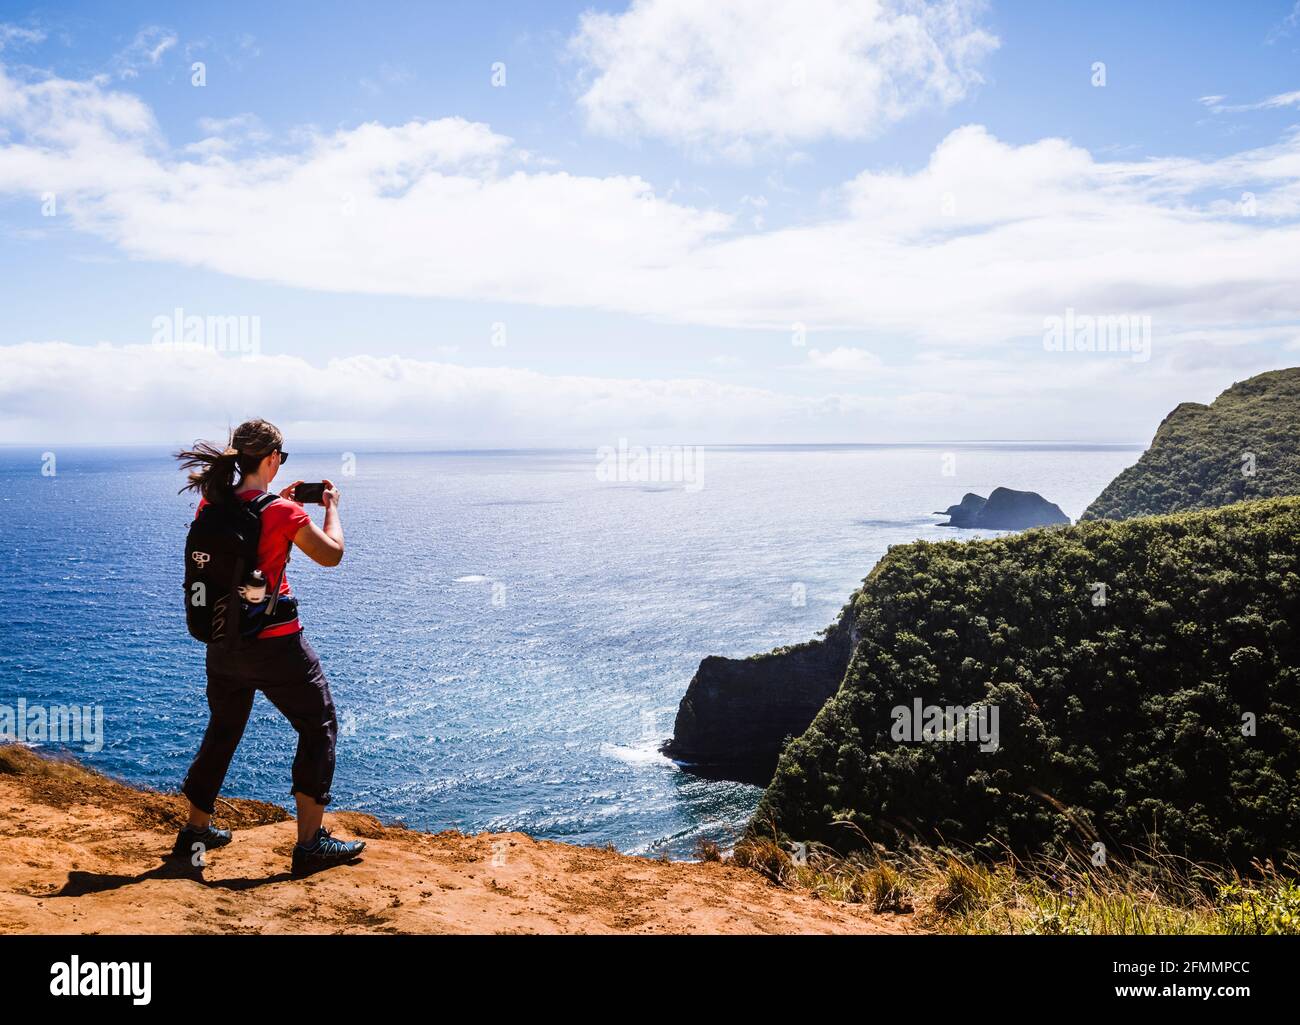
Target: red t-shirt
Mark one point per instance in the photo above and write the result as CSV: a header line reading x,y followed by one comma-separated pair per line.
x,y
281,520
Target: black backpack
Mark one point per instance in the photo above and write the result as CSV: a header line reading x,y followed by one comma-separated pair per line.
x,y
220,552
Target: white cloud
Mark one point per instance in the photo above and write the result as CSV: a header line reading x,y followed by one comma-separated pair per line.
x,y
1217,106
224,134
426,208
16,34
1286,26
844,360
144,51
240,124
389,75
979,245
732,75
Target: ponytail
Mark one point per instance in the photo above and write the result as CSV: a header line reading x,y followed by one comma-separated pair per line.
x,y
214,472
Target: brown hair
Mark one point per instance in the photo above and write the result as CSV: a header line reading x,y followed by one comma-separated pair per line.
x,y
213,469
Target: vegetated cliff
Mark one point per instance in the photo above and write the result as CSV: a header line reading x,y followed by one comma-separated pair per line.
x,y
739,712
1004,509
1166,705
1242,446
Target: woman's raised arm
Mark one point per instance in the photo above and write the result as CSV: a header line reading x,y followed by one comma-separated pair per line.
x,y
323,545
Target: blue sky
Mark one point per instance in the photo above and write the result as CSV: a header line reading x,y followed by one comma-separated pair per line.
x,y
652,212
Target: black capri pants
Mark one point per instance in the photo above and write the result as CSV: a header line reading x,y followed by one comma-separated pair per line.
x,y
287,670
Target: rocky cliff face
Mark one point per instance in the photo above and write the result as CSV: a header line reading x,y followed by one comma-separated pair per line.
x,y
738,712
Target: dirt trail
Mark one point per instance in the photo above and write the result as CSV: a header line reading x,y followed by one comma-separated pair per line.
x,y
80,853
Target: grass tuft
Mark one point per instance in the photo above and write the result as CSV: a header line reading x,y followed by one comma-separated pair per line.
x,y
1150,893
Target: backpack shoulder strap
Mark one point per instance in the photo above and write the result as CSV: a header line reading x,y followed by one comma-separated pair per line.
x,y
259,504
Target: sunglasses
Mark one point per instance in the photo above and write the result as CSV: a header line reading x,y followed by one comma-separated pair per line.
x,y
284,456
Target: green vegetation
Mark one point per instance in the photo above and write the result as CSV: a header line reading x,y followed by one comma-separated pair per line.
x,y
1197,458
1118,723
1153,894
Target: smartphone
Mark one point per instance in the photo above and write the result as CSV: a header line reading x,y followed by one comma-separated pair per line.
x,y
310,494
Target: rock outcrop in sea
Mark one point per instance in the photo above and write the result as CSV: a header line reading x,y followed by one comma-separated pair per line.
x,y
1004,509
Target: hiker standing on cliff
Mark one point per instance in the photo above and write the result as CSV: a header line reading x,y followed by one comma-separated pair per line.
x,y
239,602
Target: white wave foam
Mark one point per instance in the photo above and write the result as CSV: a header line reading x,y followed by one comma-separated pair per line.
x,y
646,753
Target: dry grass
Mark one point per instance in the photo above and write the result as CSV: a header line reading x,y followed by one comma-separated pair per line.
x,y
1150,893
18,760
62,781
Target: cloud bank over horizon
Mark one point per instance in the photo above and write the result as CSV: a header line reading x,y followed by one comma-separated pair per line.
x,y
56,392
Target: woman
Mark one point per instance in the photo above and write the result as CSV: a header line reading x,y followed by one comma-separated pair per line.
x,y
279,661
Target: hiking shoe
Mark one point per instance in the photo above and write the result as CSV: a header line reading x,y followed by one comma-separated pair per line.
x,y
211,838
324,852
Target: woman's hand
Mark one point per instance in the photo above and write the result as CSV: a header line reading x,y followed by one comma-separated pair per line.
x,y
289,491
324,544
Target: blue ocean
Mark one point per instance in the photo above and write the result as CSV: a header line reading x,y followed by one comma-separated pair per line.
x,y
510,632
